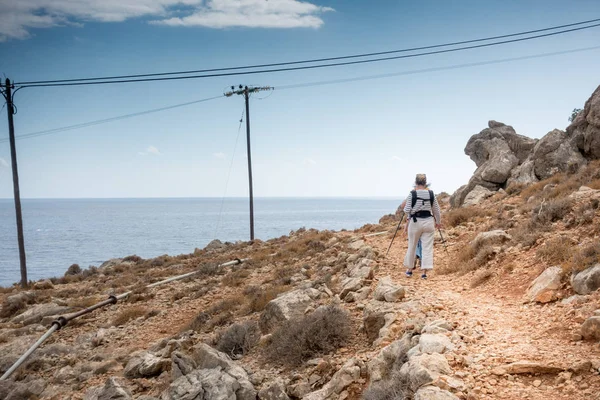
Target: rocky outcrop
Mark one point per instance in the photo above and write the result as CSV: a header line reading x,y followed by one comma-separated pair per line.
x,y
504,157
496,151
433,393
586,281
112,390
346,375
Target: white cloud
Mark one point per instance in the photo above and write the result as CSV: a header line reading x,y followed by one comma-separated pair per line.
x,y
309,161
219,155
396,158
150,150
3,163
18,17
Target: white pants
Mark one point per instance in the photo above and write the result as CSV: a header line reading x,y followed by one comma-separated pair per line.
x,y
424,229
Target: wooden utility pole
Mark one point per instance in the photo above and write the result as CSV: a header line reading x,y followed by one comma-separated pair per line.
x,y
15,172
245,90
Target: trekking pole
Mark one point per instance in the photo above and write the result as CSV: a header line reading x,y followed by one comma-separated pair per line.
x,y
398,227
443,240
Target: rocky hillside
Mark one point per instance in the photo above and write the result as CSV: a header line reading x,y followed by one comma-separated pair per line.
x,y
511,311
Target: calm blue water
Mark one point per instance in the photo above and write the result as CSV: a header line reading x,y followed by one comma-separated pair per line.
x,y
59,233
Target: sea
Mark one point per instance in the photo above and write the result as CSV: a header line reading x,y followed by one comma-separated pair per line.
x,y
61,232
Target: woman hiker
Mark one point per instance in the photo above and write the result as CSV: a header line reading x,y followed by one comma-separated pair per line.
x,y
423,209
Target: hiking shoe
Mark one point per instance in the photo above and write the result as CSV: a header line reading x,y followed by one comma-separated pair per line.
x,y
424,276
408,273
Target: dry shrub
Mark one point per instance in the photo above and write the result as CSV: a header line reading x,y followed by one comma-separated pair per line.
x,y
12,308
238,339
321,332
74,269
133,258
199,322
526,234
258,299
480,277
283,275
129,314
555,251
583,258
396,387
226,305
236,278
554,210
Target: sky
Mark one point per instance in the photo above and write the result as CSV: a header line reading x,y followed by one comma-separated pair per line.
x,y
365,138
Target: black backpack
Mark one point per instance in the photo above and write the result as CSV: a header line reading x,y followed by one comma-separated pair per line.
x,y
413,194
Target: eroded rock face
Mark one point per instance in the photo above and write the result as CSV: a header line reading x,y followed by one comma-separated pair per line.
x,y
203,384
585,129
424,369
556,152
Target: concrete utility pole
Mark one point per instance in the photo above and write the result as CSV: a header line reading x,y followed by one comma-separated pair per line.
x,y
245,90
15,172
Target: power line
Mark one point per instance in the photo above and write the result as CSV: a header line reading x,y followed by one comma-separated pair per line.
x,y
434,69
311,84
106,120
311,60
170,78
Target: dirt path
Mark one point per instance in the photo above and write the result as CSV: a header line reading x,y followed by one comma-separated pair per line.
x,y
499,328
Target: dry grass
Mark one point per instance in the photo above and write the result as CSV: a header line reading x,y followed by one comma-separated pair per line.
x,y
139,293
395,387
595,184
555,251
321,332
129,314
537,188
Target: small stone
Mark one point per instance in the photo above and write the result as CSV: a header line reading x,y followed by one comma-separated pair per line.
x,y
537,383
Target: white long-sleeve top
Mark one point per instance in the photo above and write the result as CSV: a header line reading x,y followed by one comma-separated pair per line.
x,y
423,204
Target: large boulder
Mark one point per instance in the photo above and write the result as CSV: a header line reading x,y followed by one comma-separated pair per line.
x,y
544,288
424,369
586,281
434,343
145,365
206,357
288,306
585,128
590,330
476,196
556,152
387,291
274,390
393,354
